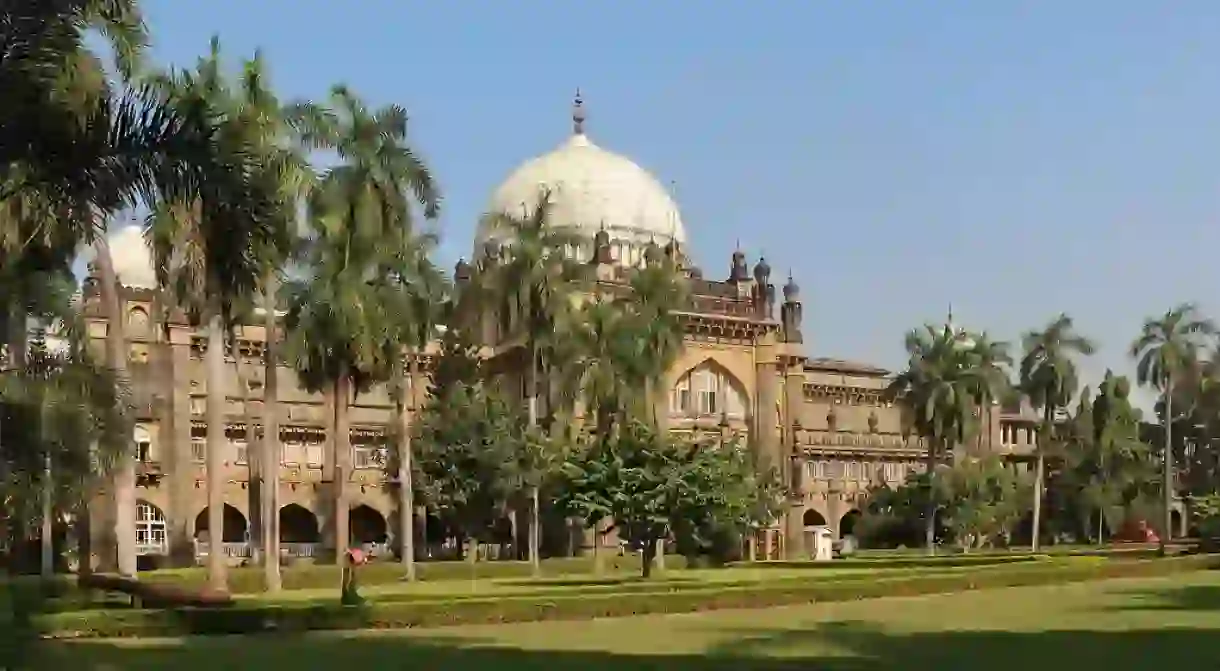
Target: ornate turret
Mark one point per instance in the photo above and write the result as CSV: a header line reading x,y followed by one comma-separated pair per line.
x,y
762,271
601,247
739,271
578,115
461,272
652,253
764,292
790,312
491,253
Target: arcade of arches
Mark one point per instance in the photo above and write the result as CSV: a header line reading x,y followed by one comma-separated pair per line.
x,y
298,525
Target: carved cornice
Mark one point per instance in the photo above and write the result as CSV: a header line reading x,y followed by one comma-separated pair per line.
x,y
725,327
839,394
816,440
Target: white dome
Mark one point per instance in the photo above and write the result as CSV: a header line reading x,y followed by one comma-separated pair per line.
x,y
590,189
131,257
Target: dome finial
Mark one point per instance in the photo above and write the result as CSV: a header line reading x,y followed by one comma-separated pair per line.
x,y
578,114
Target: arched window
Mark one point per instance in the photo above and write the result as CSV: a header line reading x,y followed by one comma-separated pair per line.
x,y
707,391
138,324
150,530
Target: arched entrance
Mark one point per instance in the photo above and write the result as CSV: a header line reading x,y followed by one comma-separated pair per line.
x,y
233,531
366,525
847,523
298,525
813,518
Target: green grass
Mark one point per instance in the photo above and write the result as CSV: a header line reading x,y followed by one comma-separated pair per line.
x,y
1116,625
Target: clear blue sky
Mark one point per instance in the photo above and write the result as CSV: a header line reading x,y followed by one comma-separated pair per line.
x,y
1017,159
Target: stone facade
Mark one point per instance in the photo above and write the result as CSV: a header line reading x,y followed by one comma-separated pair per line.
x,y
822,421
744,369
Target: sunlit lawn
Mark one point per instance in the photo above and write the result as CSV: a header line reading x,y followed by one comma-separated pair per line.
x,y
621,582
1112,626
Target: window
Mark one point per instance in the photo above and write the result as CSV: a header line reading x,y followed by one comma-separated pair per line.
x,y
707,401
143,444
242,452
834,469
853,470
199,450
290,453
150,530
313,454
367,456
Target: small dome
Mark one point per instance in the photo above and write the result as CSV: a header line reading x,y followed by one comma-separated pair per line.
x,y
461,272
590,188
652,253
762,269
791,290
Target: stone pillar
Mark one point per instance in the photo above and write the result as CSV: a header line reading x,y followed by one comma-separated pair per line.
x,y
766,416
794,401
180,468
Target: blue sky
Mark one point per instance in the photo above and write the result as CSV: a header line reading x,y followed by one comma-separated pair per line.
x,y
1015,159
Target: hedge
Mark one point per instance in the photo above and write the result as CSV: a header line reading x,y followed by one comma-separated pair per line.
x,y
249,579
900,562
441,612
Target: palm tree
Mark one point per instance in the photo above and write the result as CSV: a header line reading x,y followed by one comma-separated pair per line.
x,y
947,379
657,292
360,217
90,150
534,288
421,292
271,130
1166,349
1048,379
211,251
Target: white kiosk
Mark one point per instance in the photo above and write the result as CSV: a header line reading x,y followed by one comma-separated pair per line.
x,y
822,545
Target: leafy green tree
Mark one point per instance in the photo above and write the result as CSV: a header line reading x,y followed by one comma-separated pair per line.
x,y
1048,379
983,499
1166,349
468,440
652,484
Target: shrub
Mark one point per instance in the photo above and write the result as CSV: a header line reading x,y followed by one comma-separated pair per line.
x,y
440,612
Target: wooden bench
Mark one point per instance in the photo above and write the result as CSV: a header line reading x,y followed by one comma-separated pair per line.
x,y
152,595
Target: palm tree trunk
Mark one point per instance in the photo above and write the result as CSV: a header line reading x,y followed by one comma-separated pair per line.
x,y
930,505
270,448
1167,484
341,456
214,373
534,535
47,565
1039,475
116,360
254,479
406,494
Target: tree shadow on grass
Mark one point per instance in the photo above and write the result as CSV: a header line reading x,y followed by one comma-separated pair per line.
x,y
1186,598
847,646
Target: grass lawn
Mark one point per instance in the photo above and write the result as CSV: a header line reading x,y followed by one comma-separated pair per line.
x,y
1115,626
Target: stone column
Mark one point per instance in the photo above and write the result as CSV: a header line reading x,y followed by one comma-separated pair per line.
x,y
180,467
766,416
794,402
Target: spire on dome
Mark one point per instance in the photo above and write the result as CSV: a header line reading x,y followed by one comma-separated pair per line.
x,y
578,115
